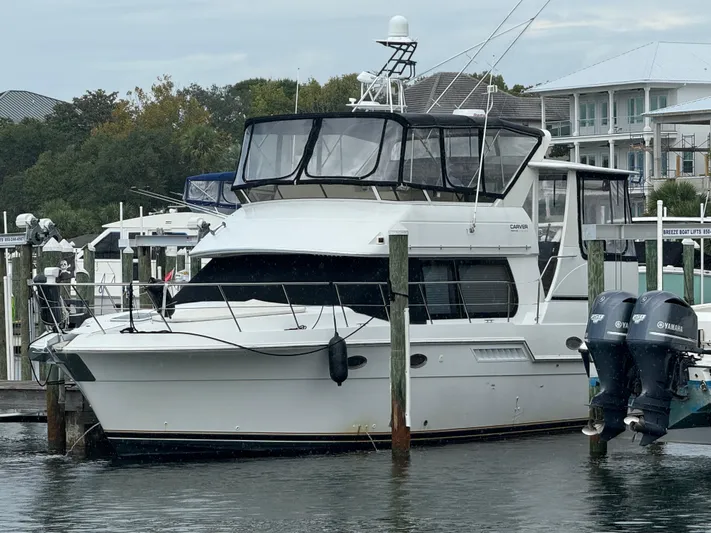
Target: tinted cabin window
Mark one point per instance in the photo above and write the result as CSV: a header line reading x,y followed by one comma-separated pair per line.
x,y
107,248
423,158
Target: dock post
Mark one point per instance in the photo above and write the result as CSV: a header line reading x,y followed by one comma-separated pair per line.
x,y
688,268
144,273
161,260
90,267
56,429
126,274
4,370
180,260
22,307
596,285
399,290
650,261
49,256
171,259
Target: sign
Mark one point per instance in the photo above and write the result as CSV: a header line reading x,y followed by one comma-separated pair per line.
x,y
10,240
684,233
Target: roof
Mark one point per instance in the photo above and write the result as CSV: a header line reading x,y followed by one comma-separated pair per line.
x,y
214,176
19,105
420,97
702,105
657,62
414,120
556,164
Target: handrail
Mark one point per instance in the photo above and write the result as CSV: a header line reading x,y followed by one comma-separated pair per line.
x,y
453,300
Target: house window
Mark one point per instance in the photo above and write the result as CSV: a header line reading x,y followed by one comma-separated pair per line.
x,y
606,161
604,112
658,102
591,160
587,114
635,108
688,163
584,159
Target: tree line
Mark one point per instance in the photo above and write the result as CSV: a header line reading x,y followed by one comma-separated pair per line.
x,y
80,162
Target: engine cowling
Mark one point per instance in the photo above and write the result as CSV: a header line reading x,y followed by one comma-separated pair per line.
x,y
605,338
663,330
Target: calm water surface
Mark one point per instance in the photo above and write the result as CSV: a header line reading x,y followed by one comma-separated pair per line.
x,y
536,484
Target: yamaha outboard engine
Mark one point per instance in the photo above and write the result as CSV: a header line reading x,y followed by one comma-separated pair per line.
x,y
53,313
605,339
663,329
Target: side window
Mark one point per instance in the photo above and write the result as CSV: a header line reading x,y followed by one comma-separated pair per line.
x,y
474,288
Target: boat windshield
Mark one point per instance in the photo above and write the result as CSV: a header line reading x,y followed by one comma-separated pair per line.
x,y
438,152
209,190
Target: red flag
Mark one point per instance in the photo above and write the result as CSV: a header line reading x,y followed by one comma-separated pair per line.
x,y
169,275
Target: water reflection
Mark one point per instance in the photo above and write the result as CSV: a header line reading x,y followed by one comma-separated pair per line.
x,y
661,488
531,485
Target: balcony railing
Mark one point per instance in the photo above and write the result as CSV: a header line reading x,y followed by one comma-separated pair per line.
x,y
601,126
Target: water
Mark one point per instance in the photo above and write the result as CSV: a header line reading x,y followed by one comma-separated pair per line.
x,y
536,484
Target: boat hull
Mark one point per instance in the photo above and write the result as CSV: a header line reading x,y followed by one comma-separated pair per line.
x,y
192,402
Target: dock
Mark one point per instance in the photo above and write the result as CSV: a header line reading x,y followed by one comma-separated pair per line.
x,y
26,402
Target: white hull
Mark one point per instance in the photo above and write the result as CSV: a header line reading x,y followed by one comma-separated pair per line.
x,y
193,397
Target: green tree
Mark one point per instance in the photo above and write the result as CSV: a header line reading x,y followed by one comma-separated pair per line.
x,y
680,198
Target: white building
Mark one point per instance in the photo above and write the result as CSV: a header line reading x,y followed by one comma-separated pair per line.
x,y
608,102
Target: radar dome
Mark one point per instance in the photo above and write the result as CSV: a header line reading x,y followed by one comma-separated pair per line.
x,y
398,28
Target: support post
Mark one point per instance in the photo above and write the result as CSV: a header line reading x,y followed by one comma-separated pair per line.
x,y
126,273
688,268
171,259
4,370
161,261
702,299
660,245
49,256
22,307
144,274
56,433
398,244
596,285
650,252
180,260
90,267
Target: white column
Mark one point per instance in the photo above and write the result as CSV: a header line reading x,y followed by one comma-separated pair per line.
x,y
647,109
657,150
611,113
612,153
647,163
543,112
576,115
576,158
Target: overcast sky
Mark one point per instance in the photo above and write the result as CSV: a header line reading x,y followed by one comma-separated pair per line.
x,y
61,48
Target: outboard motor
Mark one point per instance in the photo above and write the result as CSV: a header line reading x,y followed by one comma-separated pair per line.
x,y
155,293
663,329
52,310
605,339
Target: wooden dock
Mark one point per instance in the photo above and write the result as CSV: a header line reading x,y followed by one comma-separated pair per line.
x,y
26,401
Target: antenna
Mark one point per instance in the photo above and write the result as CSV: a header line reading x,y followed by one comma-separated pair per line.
x,y
399,69
296,102
471,59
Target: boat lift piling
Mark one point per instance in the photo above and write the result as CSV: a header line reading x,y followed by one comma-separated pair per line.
x,y
688,267
399,344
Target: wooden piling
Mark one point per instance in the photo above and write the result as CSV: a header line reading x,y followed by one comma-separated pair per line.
x,y
3,321
398,249
56,429
161,261
22,302
90,267
688,268
126,273
180,260
144,273
171,259
650,262
596,285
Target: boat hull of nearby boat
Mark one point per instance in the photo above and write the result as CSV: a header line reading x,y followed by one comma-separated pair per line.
x,y
170,396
